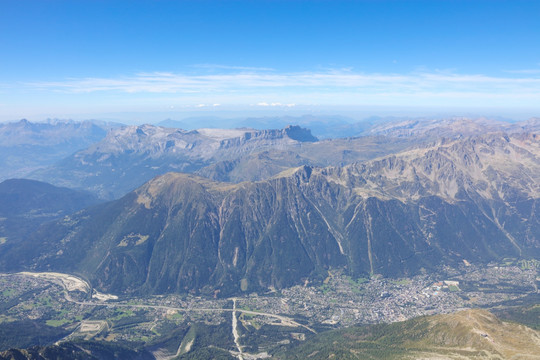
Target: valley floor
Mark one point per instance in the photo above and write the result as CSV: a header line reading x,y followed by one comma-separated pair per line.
x,y
255,325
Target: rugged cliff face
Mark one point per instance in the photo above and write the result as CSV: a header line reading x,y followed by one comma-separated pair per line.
x,y
472,199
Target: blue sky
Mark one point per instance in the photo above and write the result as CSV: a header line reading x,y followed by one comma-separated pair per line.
x,y
148,60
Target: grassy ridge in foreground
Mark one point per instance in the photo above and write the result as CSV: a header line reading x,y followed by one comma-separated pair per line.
x,y
471,334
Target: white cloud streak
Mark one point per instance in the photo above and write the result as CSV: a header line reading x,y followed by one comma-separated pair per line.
x,y
171,83
275,104
285,88
229,67
524,71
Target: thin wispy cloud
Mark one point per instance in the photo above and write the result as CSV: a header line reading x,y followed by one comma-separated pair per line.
x,y
230,67
263,103
524,71
314,87
207,105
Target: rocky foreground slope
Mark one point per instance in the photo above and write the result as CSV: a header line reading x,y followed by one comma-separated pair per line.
x,y
468,200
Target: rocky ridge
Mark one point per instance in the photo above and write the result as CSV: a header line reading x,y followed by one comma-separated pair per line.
x,y
129,156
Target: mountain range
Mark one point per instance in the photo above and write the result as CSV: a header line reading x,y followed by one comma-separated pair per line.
x,y
449,202
322,126
129,156
80,155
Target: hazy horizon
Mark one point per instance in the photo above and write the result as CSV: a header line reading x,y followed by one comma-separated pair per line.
x,y
142,61
227,118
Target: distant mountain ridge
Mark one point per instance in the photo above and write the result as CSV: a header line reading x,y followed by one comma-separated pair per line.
x,y
26,146
322,126
335,126
129,156
450,128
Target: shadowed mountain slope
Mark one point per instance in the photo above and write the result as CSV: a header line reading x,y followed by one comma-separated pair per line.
x,y
25,204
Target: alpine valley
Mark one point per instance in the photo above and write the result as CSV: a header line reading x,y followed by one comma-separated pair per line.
x,y
244,243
